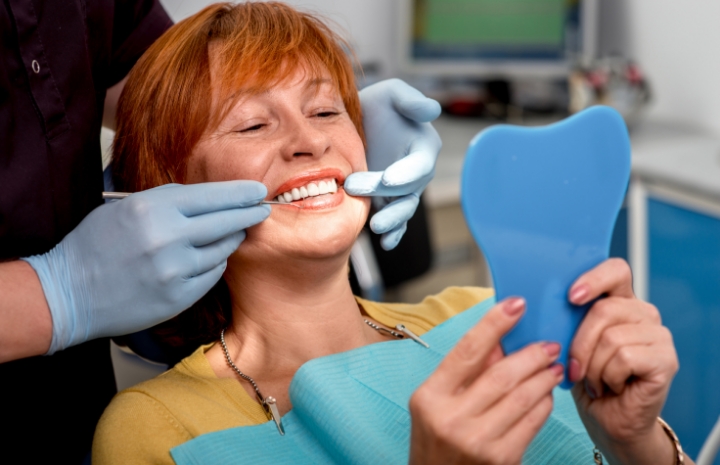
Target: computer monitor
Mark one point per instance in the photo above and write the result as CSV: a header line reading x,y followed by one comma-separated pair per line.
x,y
496,38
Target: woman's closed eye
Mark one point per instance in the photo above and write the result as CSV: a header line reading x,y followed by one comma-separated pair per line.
x,y
326,113
252,128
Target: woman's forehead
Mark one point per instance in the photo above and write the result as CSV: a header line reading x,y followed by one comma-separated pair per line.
x,y
290,72
301,82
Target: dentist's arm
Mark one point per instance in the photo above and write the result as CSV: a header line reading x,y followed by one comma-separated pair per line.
x,y
25,322
402,147
127,266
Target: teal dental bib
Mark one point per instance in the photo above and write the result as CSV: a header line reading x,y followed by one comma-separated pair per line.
x,y
351,408
541,203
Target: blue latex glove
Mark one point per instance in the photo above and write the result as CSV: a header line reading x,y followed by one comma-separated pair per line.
x,y
402,147
136,262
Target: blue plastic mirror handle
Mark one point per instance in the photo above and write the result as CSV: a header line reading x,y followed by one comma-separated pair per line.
x,y
541,203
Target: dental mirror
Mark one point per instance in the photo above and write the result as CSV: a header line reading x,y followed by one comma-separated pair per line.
x,y
542,203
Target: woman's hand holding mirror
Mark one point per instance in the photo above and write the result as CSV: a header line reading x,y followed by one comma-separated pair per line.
x,y
623,361
481,406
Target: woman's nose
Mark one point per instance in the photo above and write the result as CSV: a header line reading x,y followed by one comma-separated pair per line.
x,y
304,139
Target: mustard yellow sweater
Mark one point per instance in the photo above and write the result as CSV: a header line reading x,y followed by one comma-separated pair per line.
x,y
144,422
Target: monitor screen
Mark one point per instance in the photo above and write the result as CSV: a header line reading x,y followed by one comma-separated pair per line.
x,y
482,34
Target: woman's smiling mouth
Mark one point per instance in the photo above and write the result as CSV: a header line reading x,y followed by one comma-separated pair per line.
x,y
314,190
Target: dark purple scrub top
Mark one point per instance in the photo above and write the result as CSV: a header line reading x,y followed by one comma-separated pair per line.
x,y
57,58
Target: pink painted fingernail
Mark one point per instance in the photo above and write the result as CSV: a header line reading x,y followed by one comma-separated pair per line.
x,y
558,370
574,370
552,349
579,294
514,306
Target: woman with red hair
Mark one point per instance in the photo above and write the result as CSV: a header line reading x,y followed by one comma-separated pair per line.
x,y
260,91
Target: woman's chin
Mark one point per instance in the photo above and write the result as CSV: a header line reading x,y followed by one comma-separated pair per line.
x,y
308,236
297,248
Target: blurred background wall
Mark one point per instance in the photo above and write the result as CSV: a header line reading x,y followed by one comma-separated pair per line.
x,y
677,43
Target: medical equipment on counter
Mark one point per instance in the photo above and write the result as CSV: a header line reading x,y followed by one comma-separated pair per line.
x,y
541,203
488,38
122,195
352,407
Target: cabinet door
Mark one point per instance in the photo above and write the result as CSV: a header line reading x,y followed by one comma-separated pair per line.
x,y
684,283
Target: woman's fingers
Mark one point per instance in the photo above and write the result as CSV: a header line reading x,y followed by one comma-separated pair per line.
x,y
522,399
519,437
480,406
507,374
611,341
455,427
612,277
605,313
470,356
655,364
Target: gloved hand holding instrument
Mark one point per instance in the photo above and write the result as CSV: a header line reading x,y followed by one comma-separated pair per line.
x,y
134,263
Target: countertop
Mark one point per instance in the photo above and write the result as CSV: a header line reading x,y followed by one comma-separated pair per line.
x,y
664,152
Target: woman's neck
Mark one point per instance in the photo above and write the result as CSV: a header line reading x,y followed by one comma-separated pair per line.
x,y
284,317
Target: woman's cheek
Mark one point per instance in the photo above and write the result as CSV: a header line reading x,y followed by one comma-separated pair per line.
x,y
362,163
364,212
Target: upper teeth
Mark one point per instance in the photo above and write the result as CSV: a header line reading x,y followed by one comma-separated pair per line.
x,y
313,189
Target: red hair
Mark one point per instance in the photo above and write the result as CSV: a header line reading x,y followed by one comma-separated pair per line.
x,y
167,106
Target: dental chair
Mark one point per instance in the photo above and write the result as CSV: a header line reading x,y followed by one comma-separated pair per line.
x,y
373,269
710,448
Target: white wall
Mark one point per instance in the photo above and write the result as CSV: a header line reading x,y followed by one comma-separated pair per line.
x,y
368,24
677,43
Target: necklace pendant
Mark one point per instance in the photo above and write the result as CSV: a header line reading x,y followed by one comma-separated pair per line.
x,y
271,405
412,335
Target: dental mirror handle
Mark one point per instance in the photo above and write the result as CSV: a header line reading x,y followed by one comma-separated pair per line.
x,y
122,195
114,195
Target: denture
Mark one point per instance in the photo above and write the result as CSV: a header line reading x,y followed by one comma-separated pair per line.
x,y
312,189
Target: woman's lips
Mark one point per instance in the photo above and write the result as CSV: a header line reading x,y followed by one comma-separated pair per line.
x,y
320,202
309,177
313,190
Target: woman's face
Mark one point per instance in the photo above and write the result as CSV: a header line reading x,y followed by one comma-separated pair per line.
x,y
298,140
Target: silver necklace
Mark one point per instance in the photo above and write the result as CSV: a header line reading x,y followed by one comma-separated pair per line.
x,y
269,403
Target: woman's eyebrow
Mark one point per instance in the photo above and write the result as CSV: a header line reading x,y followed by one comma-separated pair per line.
x,y
317,82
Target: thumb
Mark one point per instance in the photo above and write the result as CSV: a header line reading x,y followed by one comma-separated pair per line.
x,y
412,104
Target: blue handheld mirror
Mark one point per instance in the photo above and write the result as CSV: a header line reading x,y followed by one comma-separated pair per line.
x,y
541,203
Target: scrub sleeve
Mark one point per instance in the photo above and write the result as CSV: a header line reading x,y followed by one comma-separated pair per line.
x,y
57,58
